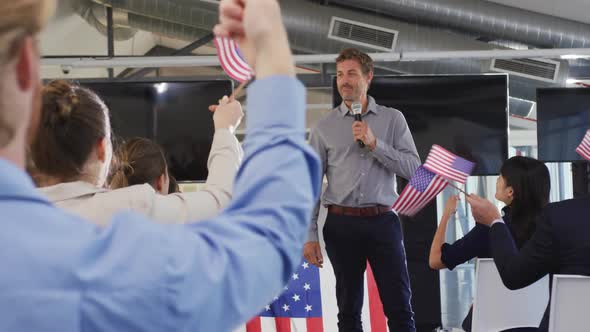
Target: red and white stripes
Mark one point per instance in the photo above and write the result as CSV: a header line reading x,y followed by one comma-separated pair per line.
x,y
440,161
231,60
411,201
584,147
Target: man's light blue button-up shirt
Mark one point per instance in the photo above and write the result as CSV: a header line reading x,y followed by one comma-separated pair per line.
x,y
60,273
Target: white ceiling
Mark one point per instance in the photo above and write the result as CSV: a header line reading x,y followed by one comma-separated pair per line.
x,y
571,9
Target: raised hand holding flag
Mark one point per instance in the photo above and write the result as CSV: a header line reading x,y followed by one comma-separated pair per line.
x,y
233,63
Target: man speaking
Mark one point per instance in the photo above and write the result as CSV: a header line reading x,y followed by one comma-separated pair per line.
x,y
361,160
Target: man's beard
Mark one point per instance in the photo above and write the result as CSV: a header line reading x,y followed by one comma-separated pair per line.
x,y
350,97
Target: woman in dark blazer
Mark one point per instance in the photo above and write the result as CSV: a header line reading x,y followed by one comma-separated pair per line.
x,y
523,185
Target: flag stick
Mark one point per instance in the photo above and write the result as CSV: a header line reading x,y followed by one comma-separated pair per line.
x,y
238,90
233,96
454,186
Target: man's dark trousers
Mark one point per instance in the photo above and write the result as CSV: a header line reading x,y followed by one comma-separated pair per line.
x,y
351,241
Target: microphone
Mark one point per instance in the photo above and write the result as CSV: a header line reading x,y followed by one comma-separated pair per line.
x,y
357,110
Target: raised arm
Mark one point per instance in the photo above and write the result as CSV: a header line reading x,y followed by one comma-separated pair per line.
x,y
224,160
216,274
434,260
230,267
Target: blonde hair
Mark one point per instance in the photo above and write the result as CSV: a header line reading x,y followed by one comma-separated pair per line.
x,y
19,19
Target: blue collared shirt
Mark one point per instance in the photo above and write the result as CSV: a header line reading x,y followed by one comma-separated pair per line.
x,y
60,273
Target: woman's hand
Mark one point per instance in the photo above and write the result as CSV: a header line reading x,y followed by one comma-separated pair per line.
x,y
451,205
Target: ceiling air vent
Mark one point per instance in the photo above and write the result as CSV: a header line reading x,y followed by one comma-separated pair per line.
x,y
362,34
537,69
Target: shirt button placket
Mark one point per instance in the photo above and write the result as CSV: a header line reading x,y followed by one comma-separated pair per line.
x,y
362,185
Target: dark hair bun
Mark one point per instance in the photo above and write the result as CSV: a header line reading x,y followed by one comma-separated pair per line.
x,y
63,98
73,119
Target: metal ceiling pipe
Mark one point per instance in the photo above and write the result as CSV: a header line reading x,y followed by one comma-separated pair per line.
x,y
485,18
308,25
95,15
127,23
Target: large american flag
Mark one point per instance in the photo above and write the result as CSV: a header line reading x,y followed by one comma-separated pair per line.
x,y
231,59
584,147
423,187
308,304
448,165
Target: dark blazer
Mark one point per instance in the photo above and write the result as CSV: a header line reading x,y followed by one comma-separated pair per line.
x,y
476,243
560,245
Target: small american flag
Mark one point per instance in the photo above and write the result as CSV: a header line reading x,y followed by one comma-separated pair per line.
x,y
584,147
448,165
231,59
423,187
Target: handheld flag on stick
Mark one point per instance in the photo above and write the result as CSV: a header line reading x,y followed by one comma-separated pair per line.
x,y
448,165
423,187
232,61
441,167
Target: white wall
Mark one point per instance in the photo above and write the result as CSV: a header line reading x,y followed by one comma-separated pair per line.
x,y
69,35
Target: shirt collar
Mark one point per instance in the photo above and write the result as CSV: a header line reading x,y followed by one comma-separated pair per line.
x,y
16,184
371,107
70,190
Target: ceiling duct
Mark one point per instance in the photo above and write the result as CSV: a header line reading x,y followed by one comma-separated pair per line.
x,y
330,29
486,18
96,15
537,69
190,13
166,28
521,107
127,23
310,34
362,34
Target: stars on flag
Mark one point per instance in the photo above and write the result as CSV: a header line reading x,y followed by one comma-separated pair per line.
x,y
301,298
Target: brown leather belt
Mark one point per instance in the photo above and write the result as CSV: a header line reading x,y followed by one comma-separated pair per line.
x,y
369,211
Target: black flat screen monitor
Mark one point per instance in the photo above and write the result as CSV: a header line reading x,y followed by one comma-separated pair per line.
x,y
466,114
563,117
173,113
